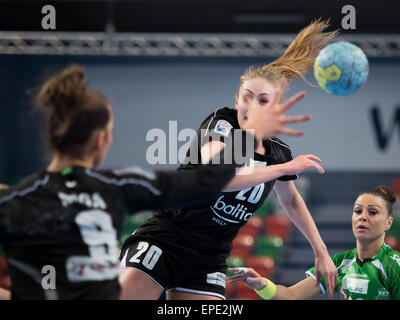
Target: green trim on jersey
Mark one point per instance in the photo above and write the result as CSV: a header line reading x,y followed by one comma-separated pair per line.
x,y
66,171
378,279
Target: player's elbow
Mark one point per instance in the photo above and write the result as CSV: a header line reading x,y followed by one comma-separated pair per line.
x,y
286,293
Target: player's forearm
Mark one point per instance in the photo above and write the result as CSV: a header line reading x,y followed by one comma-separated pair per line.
x,y
247,177
188,187
298,212
284,293
302,290
281,293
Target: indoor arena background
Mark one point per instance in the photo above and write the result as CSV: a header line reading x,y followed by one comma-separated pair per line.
x,y
166,63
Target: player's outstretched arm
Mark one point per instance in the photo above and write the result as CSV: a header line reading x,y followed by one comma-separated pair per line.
x,y
296,209
303,290
247,177
3,186
175,189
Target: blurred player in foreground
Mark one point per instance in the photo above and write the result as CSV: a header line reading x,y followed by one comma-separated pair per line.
x,y
60,226
371,271
193,243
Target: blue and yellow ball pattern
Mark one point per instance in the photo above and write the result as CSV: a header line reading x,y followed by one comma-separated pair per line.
x,y
341,68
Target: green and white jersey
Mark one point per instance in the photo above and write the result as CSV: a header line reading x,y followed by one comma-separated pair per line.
x,y
377,278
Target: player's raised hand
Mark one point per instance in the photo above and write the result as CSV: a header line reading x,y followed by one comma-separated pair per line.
x,y
248,276
302,163
3,186
271,120
325,267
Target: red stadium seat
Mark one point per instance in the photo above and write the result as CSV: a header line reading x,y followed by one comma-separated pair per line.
x,y
253,227
396,186
243,244
264,265
279,226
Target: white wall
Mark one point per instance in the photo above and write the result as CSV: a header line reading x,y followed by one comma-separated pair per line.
x,y
148,94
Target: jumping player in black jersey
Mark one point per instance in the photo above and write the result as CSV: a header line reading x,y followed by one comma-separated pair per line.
x,y
66,218
193,243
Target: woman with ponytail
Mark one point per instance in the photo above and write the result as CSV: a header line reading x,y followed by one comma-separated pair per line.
x,y
60,226
195,242
371,271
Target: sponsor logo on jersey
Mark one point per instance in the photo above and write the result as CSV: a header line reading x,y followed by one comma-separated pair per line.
x,y
225,212
219,221
344,294
383,292
396,258
355,285
223,127
230,213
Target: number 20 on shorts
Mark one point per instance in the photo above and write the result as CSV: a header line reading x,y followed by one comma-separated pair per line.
x,y
151,257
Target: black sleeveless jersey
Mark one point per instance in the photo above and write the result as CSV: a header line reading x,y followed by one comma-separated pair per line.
x,y
60,230
211,227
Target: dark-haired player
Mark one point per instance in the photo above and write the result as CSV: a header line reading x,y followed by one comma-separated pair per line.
x,y
371,271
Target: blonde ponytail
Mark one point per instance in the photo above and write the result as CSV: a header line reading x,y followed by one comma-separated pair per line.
x,y
298,59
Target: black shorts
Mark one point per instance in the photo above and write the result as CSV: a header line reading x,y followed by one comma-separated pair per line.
x,y
173,266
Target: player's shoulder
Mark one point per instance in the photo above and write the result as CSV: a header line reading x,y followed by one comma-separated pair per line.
x,y
391,258
26,185
222,121
30,180
345,258
278,149
122,174
278,143
226,114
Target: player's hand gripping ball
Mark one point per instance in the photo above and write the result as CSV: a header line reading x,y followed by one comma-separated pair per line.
x,y
341,68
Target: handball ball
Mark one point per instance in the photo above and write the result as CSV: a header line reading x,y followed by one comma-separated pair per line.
x,y
341,68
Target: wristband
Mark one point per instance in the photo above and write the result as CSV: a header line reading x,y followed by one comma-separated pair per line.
x,y
268,292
